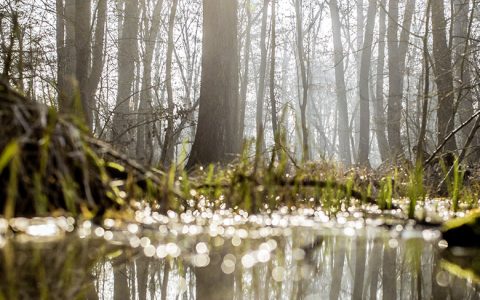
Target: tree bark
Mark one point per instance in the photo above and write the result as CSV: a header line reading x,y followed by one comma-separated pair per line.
x,y
364,142
83,56
443,76
462,72
168,141
144,119
303,73
127,53
261,84
217,134
67,58
273,101
341,90
98,61
246,57
380,129
61,55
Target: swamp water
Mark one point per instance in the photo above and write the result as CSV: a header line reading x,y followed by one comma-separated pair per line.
x,y
284,255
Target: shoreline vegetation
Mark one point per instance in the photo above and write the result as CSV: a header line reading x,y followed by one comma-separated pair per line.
x,y
49,165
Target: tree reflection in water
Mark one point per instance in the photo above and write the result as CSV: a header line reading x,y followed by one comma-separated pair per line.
x,y
300,268
293,263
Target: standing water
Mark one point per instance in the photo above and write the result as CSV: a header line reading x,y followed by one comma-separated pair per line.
x,y
299,254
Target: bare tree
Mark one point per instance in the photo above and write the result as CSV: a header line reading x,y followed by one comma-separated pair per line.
x,y
462,73
80,55
303,75
341,90
397,50
168,142
246,68
261,82
127,54
380,129
144,119
273,101
364,142
443,76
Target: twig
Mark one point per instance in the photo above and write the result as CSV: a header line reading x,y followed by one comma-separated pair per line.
x,y
450,135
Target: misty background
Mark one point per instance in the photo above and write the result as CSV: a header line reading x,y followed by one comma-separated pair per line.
x,y
358,82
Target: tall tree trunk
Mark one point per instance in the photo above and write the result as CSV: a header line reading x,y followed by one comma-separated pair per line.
x,y
61,59
246,70
443,76
74,48
83,55
168,141
397,51
380,129
127,53
144,133
462,73
364,142
273,101
419,156
98,48
360,26
261,83
218,117
341,90
68,62
303,73
394,111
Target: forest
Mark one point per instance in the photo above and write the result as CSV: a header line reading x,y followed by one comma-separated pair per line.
x,y
240,149
359,83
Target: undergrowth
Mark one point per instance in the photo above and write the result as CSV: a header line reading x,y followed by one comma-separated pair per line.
x,y
49,164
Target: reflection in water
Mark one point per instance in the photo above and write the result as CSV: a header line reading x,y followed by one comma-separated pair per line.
x,y
228,259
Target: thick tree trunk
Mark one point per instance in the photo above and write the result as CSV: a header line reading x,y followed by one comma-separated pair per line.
x,y
341,90
217,134
443,75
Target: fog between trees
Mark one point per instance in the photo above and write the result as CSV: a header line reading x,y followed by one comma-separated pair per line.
x,y
188,80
